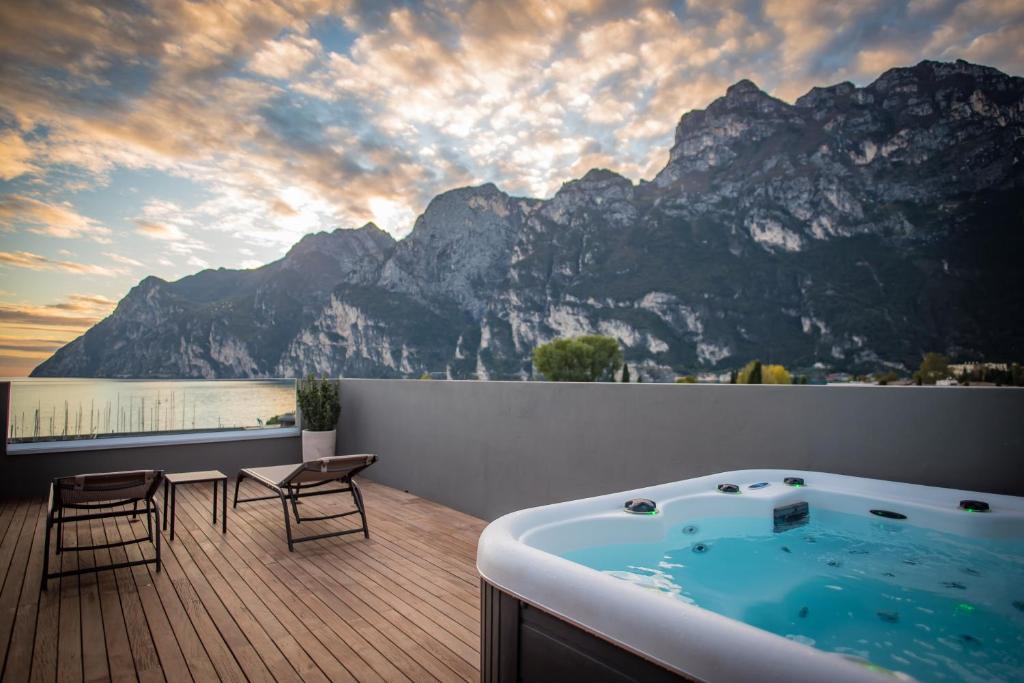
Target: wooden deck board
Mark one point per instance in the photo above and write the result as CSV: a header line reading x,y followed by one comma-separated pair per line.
x,y
401,606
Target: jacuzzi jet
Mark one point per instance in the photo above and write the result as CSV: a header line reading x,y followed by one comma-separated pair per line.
x,y
888,514
641,506
728,488
699,548
689,530
793,481
974,505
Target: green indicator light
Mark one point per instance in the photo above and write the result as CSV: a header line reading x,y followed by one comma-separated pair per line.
x,y
796,486
964,607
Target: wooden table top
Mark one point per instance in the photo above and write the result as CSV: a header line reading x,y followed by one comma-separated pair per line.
x,y
195,477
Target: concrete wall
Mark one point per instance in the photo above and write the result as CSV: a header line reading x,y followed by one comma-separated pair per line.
x,y
487,448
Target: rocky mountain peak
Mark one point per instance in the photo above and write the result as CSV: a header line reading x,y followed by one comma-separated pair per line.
x,y
743,87
825,96
853,231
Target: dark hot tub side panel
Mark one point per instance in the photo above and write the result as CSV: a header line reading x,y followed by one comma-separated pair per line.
x,y
519,642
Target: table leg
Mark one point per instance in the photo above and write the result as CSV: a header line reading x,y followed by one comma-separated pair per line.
x,y
166,486
215,503
174,490
224,503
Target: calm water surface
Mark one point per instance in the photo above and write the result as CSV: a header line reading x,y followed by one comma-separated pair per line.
x,y
44,408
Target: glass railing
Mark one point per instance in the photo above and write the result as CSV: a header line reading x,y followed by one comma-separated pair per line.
x,y
65,409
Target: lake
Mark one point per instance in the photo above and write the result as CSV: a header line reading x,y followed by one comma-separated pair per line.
x,y
69,408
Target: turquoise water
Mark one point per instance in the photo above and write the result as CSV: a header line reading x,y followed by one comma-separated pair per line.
x,y
936,606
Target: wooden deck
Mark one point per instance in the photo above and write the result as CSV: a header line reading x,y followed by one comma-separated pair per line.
x,y
401,606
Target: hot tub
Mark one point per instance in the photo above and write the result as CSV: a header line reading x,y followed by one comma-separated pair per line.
x,y
784,576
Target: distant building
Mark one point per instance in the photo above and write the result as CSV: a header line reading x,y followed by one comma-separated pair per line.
x,y
968,368
713,378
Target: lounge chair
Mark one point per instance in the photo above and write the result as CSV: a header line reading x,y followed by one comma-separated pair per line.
x,y
102,496
291,482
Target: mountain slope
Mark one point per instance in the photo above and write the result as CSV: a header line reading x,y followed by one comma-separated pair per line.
x,y
854,229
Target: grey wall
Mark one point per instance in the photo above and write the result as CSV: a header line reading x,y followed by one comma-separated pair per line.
x,y
30,473
487,448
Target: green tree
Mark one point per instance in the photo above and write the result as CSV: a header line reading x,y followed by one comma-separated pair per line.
x,y
885,378
591,358
934,366
750,374
625,373
686,379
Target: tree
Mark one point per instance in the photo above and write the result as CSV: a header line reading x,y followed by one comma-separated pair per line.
x,y
885,378
750,374
775,374
686,379
625,373
934,366
591,358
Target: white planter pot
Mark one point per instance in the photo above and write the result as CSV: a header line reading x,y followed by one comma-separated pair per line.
x,y
316,445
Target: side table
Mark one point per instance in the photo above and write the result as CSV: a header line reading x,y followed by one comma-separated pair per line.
x,y
171,482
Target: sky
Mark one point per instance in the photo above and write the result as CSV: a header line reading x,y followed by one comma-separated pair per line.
x,y
161,138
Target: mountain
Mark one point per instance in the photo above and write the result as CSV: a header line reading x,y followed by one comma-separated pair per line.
x,y
854,229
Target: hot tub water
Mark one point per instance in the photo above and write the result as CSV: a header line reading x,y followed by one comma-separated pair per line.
x,y
937,606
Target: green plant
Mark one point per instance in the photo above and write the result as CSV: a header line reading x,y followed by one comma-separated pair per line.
x,y
318,401
625,373
750,374
590,358
686,379
934,366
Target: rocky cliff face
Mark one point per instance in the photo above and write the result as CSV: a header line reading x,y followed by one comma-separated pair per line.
x,y
854,229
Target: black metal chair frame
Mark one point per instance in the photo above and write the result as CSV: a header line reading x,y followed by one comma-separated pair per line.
x,y
289,495
55,517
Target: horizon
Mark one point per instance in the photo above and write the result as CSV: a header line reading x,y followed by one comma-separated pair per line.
x,y
177,138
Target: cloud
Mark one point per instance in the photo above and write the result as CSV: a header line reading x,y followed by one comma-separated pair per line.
x,y
70,314
286,135
33,332
55,220
123,260
159,231
25,259
15,156
284,58
282,208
